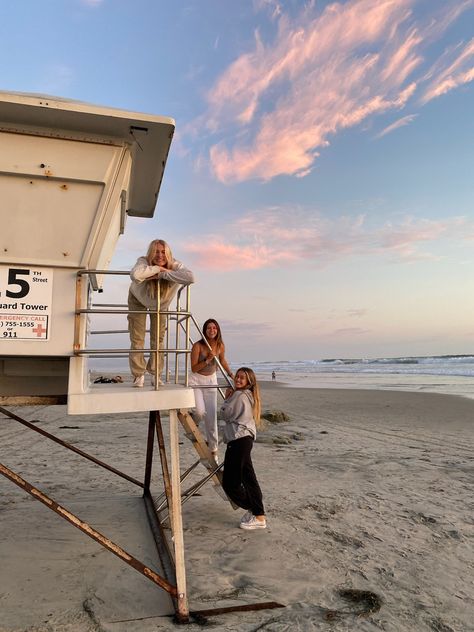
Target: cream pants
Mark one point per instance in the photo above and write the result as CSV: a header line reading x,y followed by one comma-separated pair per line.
x,y
137,331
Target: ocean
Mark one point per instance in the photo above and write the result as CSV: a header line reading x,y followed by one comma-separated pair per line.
x,y
450,374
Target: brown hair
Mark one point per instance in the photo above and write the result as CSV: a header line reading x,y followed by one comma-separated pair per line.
x,y
205,339
254,389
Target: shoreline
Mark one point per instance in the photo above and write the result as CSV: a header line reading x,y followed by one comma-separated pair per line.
x,y
461,386
448,385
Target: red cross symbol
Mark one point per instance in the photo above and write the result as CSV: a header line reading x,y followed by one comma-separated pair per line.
x,y
39,330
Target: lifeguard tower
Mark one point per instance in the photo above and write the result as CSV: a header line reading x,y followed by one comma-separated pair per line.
x,y
70,174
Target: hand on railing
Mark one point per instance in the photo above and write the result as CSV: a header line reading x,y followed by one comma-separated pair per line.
x,y
210,358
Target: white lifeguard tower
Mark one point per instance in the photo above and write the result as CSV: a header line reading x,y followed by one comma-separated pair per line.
x,y
70,174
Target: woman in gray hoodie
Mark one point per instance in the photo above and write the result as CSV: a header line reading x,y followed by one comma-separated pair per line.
x,y
241,413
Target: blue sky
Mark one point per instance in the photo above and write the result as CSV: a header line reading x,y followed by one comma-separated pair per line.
x,y
320,181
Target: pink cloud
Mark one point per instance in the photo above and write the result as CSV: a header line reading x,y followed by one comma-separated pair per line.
x,y
356,313
404,59
405,120
350,331
273,6
281,102
281,237
219,255
458,73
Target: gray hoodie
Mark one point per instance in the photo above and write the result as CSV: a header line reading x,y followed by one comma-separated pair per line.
x,y
237,413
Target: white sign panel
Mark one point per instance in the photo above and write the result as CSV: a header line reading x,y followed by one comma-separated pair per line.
x,y
25,302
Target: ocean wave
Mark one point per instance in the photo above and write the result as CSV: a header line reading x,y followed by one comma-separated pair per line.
x,y
454,365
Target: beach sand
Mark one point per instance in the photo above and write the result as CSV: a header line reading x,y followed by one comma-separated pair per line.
x,y
365,490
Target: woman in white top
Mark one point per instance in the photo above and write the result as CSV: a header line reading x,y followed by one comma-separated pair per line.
x,y
157,264
204,373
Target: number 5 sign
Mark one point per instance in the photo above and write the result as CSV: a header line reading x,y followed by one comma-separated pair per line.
x,y
25,302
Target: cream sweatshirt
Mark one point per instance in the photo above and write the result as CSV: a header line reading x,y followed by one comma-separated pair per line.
x,y
142,272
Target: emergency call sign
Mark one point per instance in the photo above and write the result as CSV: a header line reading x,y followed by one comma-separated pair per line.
x,y
25,302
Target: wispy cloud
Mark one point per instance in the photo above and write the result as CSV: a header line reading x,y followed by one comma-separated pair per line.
x,y
350,331
92,3
280,103
273,6
356,313
283,237
222,255
241,327
458,73
405,120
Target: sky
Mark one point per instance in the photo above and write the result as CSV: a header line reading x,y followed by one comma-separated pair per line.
x,y
320,182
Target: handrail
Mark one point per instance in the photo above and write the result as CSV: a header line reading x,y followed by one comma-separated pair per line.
x,y
90,272
130,311
218,362
111,308
128,350
183,317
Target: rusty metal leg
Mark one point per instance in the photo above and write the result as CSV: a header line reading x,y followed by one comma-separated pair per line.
x,y
69,446
163,549
88,530
160,501
189,493
152,513
163,458
149,452
251,607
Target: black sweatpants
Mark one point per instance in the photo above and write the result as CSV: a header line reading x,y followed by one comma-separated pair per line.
x,y
239,481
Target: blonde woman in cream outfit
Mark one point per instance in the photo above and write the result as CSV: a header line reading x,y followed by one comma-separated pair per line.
x,y
204,373
157,264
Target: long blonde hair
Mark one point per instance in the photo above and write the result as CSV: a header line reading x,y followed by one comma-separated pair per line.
x,y
254,389
165,286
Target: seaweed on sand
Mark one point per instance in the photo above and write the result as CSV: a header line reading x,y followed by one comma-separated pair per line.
x,y
365,603
275,416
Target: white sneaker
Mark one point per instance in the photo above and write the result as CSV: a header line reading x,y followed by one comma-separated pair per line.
x,y
253,523
139,381
246,517
160,381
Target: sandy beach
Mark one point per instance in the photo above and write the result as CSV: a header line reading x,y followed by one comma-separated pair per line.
x,y
364,490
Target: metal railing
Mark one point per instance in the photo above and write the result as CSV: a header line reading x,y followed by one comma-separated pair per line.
x,y
217,361
178,322
180,350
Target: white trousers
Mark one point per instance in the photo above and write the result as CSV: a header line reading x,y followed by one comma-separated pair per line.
x,y
206,405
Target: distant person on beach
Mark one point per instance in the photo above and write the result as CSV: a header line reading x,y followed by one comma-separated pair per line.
x,y
241,413
204,373
273,376
158,264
